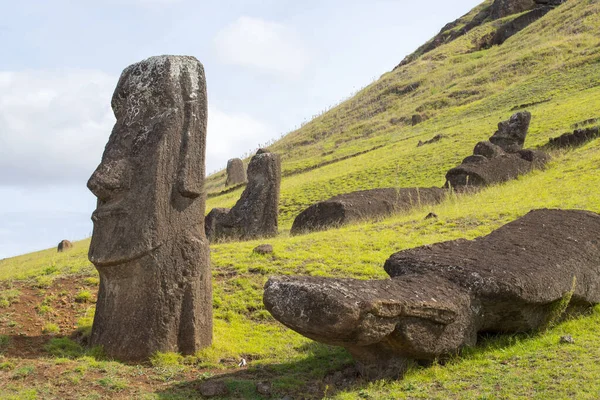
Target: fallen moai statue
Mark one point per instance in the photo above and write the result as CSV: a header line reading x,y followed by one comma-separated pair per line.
x,y
236,173
577,138
441,296
500,159
511,134
363,205
255,213
148,242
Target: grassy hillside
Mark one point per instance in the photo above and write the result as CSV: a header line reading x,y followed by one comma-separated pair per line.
x,y
45,297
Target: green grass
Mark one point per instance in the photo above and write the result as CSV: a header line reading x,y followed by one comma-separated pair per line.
x,y
464,94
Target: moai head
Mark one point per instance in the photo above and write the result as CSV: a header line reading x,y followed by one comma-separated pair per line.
x,y
150,180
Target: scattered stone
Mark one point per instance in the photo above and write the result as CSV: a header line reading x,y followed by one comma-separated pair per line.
x,y
148,242
441,296
64,245
264,388
511,134
213,389
431,215
567,339
416,119
255,213
363,205
434,139
577,138
236,173
263,249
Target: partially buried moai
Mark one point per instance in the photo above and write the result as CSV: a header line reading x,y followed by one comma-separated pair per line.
x,y
148,242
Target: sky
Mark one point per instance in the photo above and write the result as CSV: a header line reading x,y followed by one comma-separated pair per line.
x,y
270,66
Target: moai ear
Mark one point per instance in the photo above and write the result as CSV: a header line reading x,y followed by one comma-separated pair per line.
x,y
190,176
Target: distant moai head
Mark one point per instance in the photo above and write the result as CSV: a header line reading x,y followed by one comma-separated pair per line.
x,y
146,196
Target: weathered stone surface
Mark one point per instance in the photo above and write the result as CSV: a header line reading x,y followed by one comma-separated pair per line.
x,y
511,134
474,159
487,172
577,138
487,149
537,157
236,173
64,245
255,213
504,8
148,242
363,205
214,220
263,249
440,296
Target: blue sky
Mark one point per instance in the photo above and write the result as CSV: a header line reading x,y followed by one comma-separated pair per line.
x,y
270,66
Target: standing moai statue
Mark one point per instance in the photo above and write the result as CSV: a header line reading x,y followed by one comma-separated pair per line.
x,y
148,242
255,213
236,173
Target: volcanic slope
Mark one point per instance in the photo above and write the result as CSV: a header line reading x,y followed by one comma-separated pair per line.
x,y
553,66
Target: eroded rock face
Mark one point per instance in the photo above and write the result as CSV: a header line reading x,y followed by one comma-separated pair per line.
x,y
64,245
363,205
148,242
511,134
504,8
236,173
255,214
440,296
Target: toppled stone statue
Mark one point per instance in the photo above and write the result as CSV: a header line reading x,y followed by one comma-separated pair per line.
x,y
511,134
500,159
363,205
64,245
441,296
577,138
255,213
236,174
148,242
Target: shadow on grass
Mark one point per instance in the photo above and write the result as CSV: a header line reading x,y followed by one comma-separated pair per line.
x,y
311,377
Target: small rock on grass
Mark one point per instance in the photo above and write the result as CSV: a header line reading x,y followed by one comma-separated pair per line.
x,y
263,388
567,339
213,389
263,249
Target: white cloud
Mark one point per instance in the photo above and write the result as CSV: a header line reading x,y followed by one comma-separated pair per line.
x,y
263,45
232,135
53,125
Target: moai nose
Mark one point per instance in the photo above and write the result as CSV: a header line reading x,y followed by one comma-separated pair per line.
x,y
109,178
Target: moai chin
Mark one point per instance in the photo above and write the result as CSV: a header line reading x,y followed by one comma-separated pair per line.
x,y
148,242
